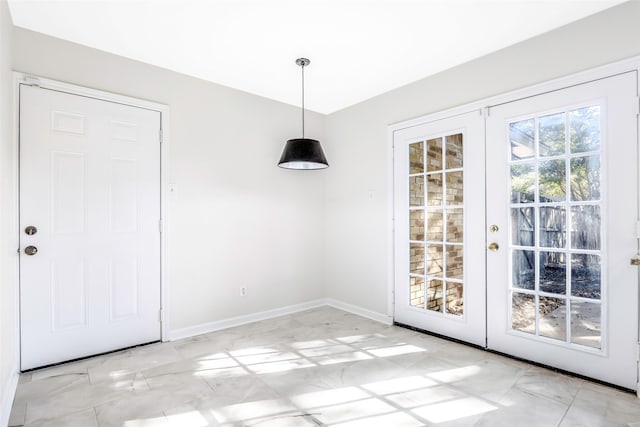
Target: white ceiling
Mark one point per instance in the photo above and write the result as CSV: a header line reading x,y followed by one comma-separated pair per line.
x,y
358,48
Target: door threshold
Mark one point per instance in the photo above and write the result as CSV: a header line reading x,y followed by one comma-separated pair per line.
x,y
51,365
509,356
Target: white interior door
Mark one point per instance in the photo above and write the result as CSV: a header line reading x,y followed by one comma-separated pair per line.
x,y
562,189
439,227
90,188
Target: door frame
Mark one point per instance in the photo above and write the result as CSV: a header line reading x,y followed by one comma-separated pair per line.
x,y
165,188
484,106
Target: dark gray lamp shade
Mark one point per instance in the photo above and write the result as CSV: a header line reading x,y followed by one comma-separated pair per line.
x,y
303,153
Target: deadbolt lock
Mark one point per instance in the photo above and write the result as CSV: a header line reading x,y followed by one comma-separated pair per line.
x,y
30,230
635,260
493,228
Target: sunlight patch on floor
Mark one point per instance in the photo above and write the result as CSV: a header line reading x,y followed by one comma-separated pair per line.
x,y
354,410
453,410
148,422
458,374
344,358
187,419
399,385
272,367
425,396
329,397
216,363
395,350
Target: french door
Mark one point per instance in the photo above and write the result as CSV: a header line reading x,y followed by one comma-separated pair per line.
x,y
562,195
89,226
537,265
439,279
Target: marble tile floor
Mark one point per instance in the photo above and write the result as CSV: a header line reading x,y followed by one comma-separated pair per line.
x,y
322,367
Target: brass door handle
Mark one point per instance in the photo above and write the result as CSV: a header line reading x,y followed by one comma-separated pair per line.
x,y
493,246
635,260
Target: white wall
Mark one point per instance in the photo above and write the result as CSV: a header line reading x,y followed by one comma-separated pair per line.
x,y
290,237
8,244
357,227
236,219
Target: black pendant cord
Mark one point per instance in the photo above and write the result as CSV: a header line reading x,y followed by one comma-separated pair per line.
x,y
303,101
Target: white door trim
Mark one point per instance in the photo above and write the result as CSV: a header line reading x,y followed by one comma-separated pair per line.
x,y
484,106
164,110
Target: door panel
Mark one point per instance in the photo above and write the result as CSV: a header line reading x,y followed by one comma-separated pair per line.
x,y
90,184
562,188
439,277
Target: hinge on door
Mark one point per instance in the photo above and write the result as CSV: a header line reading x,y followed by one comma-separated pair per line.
x,y
160,224
637,105
32,81
160,315
161,138
487,111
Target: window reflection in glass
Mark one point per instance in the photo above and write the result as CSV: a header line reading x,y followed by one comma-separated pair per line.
x,y
454,153
552,181
434,295
553,272
522,138
416,190
523,225
553,323
553,229
585,227
585,178
523,269
585,276
584,129
585,324
523,183
551,135
523,312
434,154
434,225
434,189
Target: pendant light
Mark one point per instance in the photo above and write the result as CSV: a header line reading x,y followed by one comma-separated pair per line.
x,y
303,153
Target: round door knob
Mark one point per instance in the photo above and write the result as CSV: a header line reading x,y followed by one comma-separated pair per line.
x,y
30,250
493,246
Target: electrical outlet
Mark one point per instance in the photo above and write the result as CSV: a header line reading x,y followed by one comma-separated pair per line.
x,y
243,291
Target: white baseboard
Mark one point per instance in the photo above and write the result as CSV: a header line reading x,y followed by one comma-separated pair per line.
x,y
363,312
231,322
8,393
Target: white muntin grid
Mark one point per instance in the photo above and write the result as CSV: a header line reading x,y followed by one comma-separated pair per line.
x,y
567,205
444,209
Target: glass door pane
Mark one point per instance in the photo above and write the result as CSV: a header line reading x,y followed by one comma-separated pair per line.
x,y
436,224
553,176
